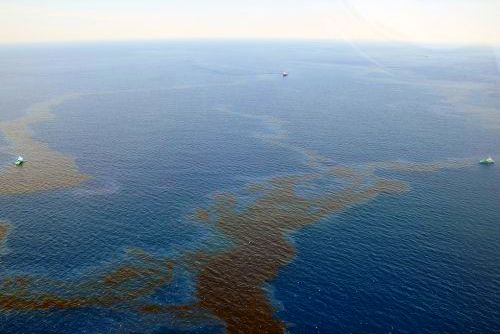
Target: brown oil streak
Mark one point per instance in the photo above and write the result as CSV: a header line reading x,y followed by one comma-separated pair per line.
x,y
126,283
230,283
4,230
45,169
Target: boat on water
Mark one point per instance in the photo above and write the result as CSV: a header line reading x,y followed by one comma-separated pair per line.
x,y
487,161
284,74
19,161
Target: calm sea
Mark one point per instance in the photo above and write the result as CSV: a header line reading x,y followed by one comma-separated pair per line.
x,y
162,128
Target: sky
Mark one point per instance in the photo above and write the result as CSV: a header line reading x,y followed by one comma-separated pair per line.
x,y
418,21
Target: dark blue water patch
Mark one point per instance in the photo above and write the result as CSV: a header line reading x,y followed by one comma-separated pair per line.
x,y
399,264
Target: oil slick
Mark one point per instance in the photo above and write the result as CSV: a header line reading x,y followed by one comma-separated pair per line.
x,y
4,229
140,275
4,232
230,282
47,169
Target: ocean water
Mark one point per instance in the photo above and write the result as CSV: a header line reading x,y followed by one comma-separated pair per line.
x,y
185,222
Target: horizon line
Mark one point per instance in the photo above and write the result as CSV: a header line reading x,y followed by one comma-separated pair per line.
x,y
465,44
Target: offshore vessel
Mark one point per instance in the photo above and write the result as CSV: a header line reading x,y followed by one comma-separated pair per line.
x,y
487,161
19,161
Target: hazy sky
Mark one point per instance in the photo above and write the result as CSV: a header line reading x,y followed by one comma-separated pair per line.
x,y
450,21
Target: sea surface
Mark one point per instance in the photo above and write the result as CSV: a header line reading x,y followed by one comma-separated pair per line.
x,y
187,187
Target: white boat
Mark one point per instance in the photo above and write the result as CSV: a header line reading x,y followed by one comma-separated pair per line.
x,y
487,161
284,74
19,161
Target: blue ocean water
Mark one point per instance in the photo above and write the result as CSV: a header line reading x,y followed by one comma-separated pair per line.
x,y
161,127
